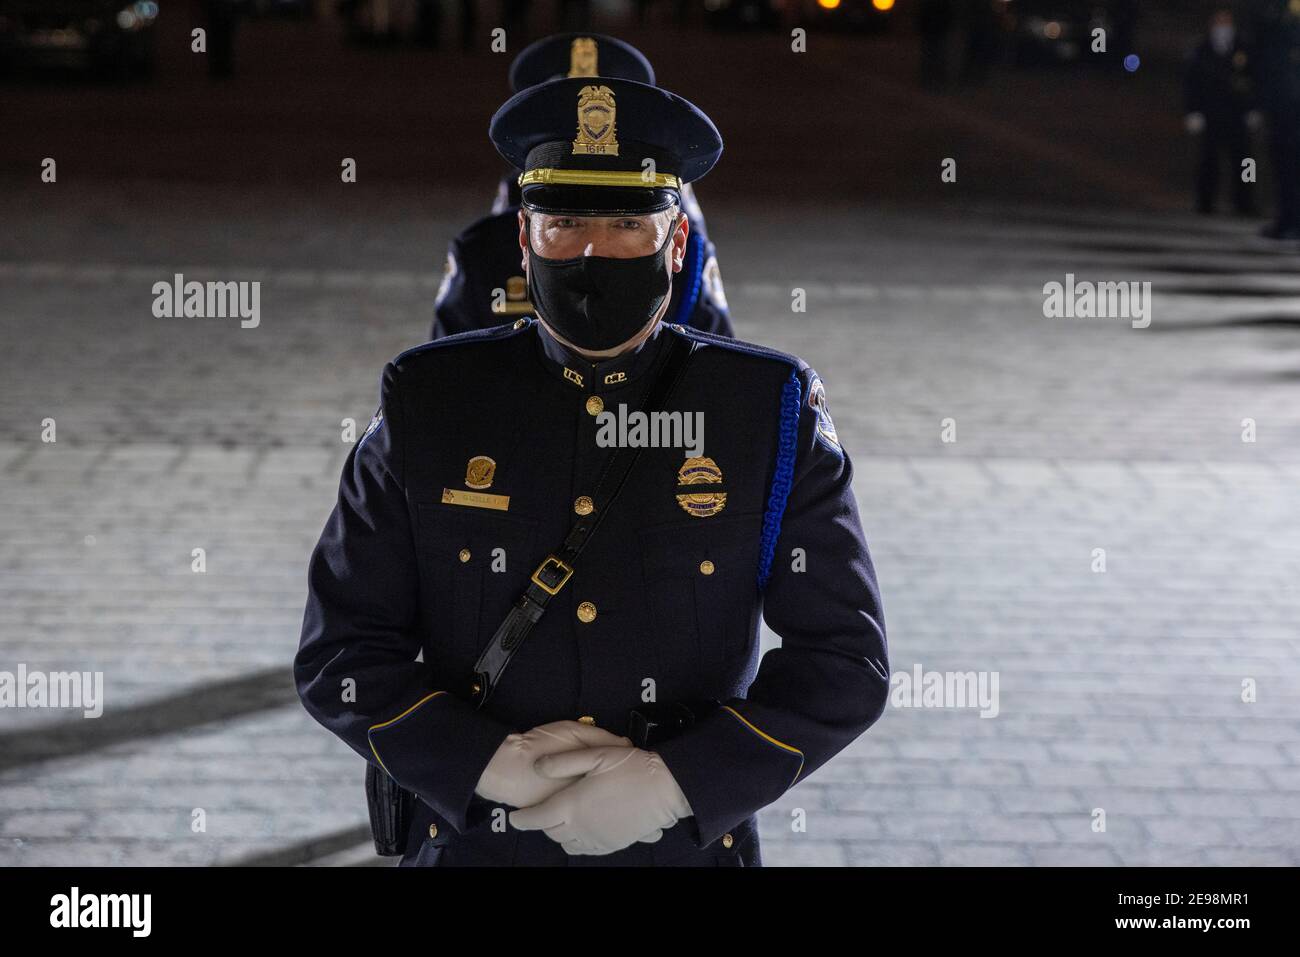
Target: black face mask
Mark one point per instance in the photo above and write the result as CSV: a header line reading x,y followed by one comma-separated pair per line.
x,y
599,302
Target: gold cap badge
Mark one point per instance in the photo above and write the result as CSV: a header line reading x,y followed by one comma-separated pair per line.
x,y
582,57
479,472
701,504
596,129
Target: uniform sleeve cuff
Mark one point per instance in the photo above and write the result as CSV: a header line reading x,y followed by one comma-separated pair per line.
x,y
728,769
438,748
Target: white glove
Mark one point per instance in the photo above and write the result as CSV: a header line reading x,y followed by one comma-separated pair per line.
x,y
509,777
625,795
1194,122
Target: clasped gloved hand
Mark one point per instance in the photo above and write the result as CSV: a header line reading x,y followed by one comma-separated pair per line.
x,y
625,795
510,777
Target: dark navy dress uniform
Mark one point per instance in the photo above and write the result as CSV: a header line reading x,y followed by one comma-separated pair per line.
x,y
661,594
1275,27
484,452
483,282
1218,86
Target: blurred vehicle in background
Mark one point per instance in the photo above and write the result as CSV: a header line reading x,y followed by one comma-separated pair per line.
x,y
112,37
1054,31
779,14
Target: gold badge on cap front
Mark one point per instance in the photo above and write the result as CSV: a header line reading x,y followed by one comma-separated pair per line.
x,y
596,129
582,57
703,472
479,472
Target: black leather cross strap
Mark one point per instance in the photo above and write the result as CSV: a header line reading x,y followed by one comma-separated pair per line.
x,y
554,572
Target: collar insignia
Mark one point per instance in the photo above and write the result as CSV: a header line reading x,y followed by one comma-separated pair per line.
x,y
596,128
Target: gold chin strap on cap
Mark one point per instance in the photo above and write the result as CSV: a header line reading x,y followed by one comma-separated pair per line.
x,y
595,177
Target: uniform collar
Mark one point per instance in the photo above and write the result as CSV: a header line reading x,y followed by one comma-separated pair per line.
x,y
583,375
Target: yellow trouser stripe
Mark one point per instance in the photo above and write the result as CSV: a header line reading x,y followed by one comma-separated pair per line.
x,y
385,724
767,737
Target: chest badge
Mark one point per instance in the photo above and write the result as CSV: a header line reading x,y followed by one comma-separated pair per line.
x,y
480,472
702,473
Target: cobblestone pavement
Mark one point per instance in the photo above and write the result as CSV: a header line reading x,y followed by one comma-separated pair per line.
x,y
1119,690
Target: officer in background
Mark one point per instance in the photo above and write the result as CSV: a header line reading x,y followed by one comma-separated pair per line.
x,y
491,448
1275,29
483,283
1220,111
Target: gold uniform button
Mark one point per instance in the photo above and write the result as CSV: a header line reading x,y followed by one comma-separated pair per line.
x,y
464,554
586,719
583,505
586,613
595,405
433,830
706,567
520,323
728,840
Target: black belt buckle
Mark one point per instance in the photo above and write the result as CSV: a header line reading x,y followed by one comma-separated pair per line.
x,y
652,724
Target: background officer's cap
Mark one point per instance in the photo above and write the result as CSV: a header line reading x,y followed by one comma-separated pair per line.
x,y
583,143
578,54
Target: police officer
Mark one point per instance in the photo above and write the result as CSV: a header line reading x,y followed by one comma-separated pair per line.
x,y
1275,27
490,514
1220,111
483,282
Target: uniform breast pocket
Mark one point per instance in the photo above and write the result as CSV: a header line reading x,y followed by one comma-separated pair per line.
x,y
474,563
700,585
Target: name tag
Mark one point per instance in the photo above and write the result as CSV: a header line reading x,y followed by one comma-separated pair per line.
x,y
455,496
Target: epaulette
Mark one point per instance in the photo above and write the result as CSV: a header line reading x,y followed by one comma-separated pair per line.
x,y
504,331
739,345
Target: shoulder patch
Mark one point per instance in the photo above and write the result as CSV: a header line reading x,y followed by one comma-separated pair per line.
x,y
375,422
713,283
739,345
817,402
504,331
449,270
